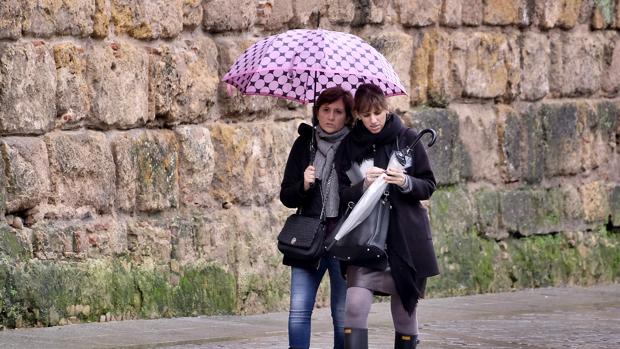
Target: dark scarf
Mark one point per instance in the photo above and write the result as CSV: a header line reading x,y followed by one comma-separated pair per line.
x,y
358,146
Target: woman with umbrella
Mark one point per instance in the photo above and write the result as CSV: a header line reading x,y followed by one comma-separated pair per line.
x,y
411,257
310,185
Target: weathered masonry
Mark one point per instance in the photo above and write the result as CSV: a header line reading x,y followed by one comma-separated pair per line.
x,y
133,186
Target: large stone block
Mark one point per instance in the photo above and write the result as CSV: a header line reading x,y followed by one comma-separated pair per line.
x,y
533,171
437,69
224,15
596,124
249,161
11,17
98,237
305,12
487,205
512,60
614,203
373,12
150,19
512,147
611,75
82,170
63,17
418,13
562,150
237,105
263,283
478,135
101,20
535,52
2,190
196,164
183,81
604,14
506,12
486,75
523,212
452,212
449,161
148,242
595,200
27,88
473,12
118,76
451,13
576,64
340,12
441,86
147,170
72,94
557,13
419,68
274,14
397,47
192,13
26,168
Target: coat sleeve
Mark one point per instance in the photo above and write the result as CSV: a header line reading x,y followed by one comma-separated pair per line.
x,y
292,193
421,175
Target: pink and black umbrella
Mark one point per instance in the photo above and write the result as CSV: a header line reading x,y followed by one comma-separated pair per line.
x,y
299,64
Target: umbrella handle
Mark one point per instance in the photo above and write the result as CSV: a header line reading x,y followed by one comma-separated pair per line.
x,y
419,137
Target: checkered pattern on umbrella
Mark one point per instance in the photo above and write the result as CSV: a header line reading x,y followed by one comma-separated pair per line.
x,y
296,63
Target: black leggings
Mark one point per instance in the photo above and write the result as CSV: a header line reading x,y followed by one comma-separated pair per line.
x,y
357,308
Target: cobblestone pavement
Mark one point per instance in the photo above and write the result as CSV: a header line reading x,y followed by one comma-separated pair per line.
x,y
571,317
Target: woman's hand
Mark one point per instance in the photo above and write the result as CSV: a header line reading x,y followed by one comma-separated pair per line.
x,y
397,177
309,177
372,174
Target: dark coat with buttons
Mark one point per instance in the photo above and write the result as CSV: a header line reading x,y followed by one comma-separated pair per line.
x,y
410,250
292,193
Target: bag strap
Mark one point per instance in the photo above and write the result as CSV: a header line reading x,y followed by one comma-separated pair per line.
x,y
312,149
324,198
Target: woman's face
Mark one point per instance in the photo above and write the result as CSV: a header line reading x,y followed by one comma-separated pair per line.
x,y
373,120
332,116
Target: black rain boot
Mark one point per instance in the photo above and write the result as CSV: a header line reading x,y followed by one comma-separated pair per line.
x,y
355,338
405,341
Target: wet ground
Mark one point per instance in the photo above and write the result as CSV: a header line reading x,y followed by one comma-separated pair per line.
x,y
571,317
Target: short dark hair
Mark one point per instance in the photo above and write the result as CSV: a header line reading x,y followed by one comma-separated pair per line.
x,y
369,97
332,95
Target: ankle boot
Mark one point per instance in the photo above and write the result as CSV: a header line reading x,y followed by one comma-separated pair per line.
x,y
405,341
355,338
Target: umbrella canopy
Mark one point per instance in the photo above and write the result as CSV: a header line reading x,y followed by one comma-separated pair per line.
x,y
299,64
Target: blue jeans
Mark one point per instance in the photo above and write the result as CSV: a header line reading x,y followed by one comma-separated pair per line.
x,y
304,285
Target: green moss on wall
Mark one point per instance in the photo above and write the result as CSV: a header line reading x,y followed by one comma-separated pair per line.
x,y
50,293
471,264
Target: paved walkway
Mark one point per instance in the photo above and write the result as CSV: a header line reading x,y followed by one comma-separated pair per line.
x,y
541,318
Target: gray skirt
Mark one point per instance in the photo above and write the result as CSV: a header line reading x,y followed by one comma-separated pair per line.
x,y
380,282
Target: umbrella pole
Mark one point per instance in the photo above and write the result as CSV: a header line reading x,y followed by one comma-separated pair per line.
x,y
314,87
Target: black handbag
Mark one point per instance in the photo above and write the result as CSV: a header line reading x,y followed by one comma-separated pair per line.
x,y
366,244
303,237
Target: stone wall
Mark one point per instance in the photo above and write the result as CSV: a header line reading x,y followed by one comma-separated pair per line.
x,y
134,186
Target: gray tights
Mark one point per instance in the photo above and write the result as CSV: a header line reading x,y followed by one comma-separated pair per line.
x,y
357,308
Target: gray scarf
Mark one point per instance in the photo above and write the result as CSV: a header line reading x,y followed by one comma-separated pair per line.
x,y
326,146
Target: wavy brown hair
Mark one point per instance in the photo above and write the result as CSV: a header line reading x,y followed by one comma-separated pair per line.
x,y
332,95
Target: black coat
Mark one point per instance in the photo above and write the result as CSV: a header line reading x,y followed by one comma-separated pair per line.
x,y
292,193
411,254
